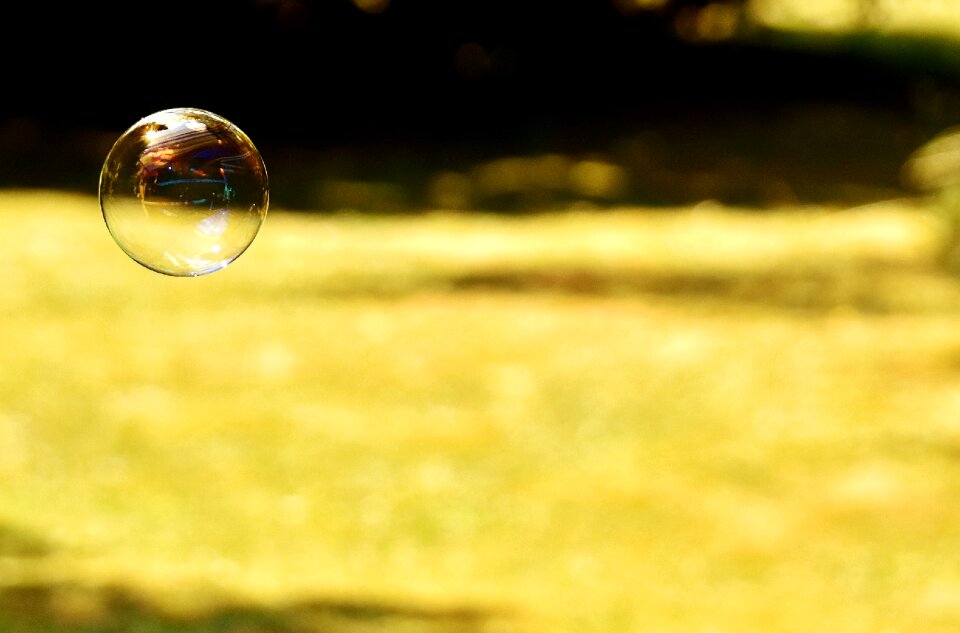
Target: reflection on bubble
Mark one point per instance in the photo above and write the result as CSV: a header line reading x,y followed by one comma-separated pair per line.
x,y
184,192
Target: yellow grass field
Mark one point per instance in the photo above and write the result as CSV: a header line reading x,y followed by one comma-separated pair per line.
x,y
704,420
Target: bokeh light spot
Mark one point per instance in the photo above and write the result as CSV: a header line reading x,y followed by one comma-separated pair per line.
x,y
372,6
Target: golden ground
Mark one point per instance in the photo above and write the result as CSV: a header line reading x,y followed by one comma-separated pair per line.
x,y
698,420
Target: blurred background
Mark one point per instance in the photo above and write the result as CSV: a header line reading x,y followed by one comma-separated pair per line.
x,y
761,102
607,315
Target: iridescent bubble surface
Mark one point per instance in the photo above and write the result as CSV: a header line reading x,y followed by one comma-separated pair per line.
x,y
184,192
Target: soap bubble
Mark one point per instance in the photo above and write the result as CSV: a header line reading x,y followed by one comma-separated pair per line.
x,y
184,192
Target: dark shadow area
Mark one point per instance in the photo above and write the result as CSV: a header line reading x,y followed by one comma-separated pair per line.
x,y
816,290
874,287
64,607
763,156
68,608
16,542
367,104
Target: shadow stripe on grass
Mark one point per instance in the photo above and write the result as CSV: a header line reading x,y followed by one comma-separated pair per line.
x,y
74,608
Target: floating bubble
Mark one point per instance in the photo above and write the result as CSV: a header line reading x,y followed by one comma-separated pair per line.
x,y
184,192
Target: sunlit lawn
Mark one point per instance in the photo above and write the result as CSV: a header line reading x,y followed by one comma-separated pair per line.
x,y
916,16
698,420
